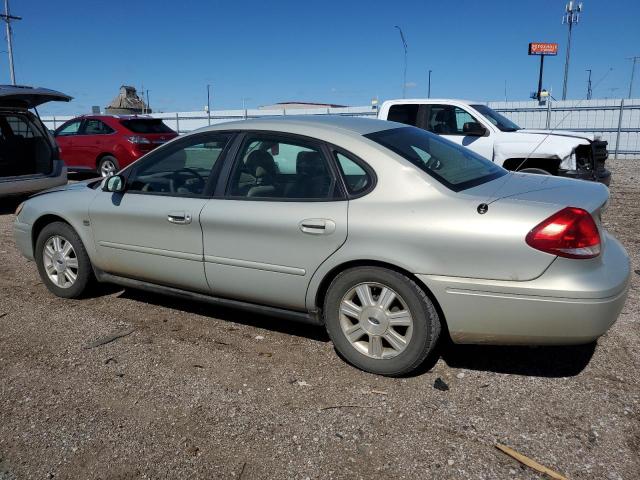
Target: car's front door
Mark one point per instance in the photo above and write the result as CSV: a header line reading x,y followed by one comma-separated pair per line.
x,y
282,215
449,121
65,136
152,231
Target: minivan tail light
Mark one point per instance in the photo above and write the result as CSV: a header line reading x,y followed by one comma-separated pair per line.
x,y
569,233
137,139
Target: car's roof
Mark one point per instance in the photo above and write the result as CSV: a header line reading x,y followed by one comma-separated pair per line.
x,y
433,100
117,117
311,124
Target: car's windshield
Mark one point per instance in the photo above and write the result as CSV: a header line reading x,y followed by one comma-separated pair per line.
x,y
500,121
454,166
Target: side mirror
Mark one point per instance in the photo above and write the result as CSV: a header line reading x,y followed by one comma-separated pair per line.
x,y
474,129
114,183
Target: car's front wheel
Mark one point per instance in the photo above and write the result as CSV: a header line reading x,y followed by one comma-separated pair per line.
x,y
62,260
380,320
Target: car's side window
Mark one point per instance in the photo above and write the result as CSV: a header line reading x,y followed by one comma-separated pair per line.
x,y
448,120
280,169
182,169
96,127
404,113
69,129
356,178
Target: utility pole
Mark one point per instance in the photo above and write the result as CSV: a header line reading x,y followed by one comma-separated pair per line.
x,y
429,88
7,17
148,103
505,90
404,77
589,91
633,71
208,106
571,16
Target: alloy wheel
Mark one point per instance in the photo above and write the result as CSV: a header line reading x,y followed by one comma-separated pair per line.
x,y
60,261
376,320
107,168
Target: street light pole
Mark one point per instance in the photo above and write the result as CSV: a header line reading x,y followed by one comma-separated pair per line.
x,y
429,87
7,17
633,71
571,16
404,77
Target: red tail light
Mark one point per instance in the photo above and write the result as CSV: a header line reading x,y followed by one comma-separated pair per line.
x,y
570,233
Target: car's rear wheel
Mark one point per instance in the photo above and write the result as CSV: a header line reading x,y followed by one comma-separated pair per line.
x,y
108,165
62,260
380,320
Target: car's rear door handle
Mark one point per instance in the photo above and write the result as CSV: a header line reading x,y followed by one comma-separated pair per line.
x,y
318,226
180,218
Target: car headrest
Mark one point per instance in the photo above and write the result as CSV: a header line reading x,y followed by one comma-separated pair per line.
x,y
309,163
260,163
443,115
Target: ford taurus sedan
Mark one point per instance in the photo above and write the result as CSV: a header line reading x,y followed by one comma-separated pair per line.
x,y
387,235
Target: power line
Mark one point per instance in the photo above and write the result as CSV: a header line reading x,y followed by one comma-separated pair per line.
x,y
571,16
7,17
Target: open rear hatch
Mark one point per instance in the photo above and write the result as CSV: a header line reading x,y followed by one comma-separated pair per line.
x,y
26,147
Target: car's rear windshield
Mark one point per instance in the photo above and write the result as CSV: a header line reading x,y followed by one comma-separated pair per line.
x,y
456,167
146,125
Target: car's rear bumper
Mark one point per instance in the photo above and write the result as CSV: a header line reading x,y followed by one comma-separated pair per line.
x,y
34,183
573,302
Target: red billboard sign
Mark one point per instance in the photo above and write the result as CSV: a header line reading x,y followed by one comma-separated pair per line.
x,y
541,48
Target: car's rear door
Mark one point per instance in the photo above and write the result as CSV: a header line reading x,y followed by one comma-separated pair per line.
x,y
152,232
95,138
281,214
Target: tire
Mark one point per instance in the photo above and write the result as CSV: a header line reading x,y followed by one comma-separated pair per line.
x,y
391,358
537,171
75,261
108,165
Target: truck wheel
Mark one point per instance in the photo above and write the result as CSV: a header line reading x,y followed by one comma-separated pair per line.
x,y
537,171
380,320
108,165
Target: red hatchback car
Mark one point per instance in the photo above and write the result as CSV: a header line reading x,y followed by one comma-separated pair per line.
x,y
107,143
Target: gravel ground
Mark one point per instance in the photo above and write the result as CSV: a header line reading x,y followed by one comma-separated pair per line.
x,y
199,392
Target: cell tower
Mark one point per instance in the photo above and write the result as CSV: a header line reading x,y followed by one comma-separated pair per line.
x,y
571,16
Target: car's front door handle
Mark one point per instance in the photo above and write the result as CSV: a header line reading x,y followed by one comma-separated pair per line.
x,y
179,218
318,226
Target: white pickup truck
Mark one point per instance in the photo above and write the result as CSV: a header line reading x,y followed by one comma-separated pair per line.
x,y
483,130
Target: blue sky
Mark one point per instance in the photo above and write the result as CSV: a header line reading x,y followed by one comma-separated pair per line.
x,y
342,52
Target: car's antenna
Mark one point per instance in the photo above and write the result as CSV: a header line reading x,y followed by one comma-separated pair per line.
x,y
549,133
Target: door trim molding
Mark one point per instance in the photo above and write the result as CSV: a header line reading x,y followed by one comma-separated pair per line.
x,y
152,251
269,267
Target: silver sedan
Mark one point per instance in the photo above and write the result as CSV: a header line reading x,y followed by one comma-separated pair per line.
x,y
387,235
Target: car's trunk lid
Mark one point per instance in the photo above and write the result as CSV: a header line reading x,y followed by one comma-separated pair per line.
x,y
545,189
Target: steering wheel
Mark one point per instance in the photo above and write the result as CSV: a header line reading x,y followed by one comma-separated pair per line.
x,y
197,180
